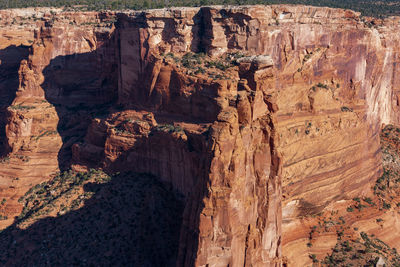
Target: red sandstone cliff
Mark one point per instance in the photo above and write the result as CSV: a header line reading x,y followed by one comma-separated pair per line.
x,y
252,148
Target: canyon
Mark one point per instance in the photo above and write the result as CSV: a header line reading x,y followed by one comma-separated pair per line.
x,y
259,119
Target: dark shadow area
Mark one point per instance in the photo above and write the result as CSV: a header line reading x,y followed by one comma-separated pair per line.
x,y
133,220
113,228
81,87
187,163
199,42
10,59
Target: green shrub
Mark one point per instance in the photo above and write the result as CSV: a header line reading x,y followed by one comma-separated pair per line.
x,y
377,9
321,85
169,128
306,58
313,257
350,209
21,107
6,159
386,205
346,109
368,200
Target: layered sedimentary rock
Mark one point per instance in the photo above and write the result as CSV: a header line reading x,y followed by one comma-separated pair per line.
x,y
301,118
332,69
224,162
333,86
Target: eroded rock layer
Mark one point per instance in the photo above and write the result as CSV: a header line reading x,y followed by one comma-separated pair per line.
x,y
258,115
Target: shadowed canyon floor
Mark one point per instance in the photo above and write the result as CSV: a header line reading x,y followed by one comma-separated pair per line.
x,y
94,219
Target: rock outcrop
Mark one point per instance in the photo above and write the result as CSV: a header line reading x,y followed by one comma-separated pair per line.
x,y
258,115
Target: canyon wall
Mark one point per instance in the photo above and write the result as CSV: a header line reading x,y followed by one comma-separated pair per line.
x,y
252,148
335,77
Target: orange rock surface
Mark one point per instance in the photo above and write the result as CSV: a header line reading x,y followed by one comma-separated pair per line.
x,y
284,131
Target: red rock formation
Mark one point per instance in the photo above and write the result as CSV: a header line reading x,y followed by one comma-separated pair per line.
x,y
303,120
224,162
32,138
329,112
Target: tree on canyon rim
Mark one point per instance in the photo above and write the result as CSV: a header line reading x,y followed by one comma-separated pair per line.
x,y
368,7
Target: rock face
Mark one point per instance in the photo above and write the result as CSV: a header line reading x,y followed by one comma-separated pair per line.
x,y
254,142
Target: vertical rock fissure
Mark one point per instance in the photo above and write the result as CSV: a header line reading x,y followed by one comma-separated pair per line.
x,y
246,246
198,32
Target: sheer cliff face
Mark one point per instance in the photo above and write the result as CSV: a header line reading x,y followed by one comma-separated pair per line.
x,y
221,157
269,140
334,84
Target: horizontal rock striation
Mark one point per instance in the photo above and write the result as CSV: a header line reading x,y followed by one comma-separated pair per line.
x,y
283,121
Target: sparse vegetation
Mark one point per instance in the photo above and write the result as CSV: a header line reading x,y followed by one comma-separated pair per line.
x,y
308,128
170,128
355,248
386,206
367,250
369,201
359,204
21,107
199,63
369,8
321,85
44,133
350,253
387,186
350,209
91,218
23,158
41,199
306,57
313,257
121,130
5,159
346,109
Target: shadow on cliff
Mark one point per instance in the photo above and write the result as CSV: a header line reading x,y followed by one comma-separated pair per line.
x,y
81,87
133,220
10,59
186,164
